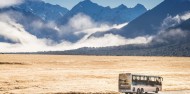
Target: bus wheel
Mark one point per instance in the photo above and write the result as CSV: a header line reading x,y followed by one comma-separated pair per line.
x,y
142,90
138,91
157,89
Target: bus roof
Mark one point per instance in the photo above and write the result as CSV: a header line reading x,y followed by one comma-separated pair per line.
x,y
142,75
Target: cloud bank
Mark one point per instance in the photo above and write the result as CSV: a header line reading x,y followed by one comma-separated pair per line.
x,y
23,41
166,35
173,21
8,3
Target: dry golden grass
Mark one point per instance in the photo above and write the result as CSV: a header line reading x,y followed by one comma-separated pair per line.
x,y
88,74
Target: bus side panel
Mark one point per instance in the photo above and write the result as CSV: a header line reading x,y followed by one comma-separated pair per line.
x,y
145,88
145,83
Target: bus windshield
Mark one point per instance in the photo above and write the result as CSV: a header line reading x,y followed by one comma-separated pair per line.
x,y
125,81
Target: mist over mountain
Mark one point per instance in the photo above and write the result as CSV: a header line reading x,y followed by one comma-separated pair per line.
x,y
36,16
184,25
167,25
40,19
118,15
33,25
28,23
151,22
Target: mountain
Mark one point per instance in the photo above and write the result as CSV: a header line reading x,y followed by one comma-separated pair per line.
x,y
35,16
184,25
45,11
173,41
40,15
118,15
130,50
150,23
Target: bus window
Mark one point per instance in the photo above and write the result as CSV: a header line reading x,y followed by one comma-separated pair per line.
x,y
160,81
151,81
138,78
134,82
145,78
157,81
134,78
150,78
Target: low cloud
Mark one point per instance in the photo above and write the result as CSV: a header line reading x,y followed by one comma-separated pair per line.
x,y
168,34
83,24
26,42
23,41
9,3
112,40
173,21
185,16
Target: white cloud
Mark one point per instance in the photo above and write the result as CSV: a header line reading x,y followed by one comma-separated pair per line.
x,y
39,24
15,32
172,33
165,35
112,40
173,21
186,16
26,42
81,23
8,3
169,35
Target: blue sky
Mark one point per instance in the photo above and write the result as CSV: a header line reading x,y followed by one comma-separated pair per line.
x,y
149,4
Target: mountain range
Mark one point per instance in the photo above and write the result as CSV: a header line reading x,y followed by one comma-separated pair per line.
x,y
45,11
44,19
150,23
141,26
165,23
33,15
118,15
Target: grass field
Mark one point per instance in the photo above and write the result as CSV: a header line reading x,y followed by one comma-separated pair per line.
x,y
95,74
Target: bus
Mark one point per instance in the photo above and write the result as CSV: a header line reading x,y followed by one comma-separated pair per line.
x,y
132,83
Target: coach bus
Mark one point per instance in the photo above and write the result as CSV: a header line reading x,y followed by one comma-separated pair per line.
x,y
132,83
